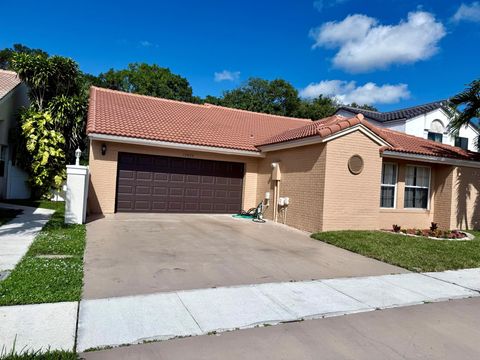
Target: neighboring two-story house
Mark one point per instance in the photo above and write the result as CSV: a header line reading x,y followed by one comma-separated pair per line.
x,y
13,96
428,121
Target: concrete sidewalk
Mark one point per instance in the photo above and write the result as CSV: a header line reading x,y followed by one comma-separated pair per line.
x,y
135,319
440,331
38,327
17,235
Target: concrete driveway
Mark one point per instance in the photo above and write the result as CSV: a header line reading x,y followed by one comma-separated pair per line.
x,y
129,254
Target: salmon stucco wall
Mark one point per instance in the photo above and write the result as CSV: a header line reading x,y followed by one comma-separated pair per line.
x,y
303,173
103,172
466,199
352,201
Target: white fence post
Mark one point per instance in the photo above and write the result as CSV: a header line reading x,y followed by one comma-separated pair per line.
x,y
76,194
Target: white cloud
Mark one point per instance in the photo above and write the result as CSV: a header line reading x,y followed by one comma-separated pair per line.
x,y
468,12
321,4
348,92
146,43
226,75
364,44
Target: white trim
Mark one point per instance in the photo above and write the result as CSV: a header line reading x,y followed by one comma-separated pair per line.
x,y
395,186
431,159
315,139
418,187
173,145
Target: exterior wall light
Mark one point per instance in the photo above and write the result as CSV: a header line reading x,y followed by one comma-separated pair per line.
x,y
104,149
78,153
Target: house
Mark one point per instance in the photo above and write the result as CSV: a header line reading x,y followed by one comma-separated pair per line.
x,y
155,155
13,96
429,121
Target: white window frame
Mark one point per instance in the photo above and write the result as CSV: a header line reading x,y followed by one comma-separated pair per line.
x,y
390,185
418,187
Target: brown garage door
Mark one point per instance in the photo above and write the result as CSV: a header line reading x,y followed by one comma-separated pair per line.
x,y
149,183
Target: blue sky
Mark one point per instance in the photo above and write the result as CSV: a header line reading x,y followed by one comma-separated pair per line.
x,y
391,53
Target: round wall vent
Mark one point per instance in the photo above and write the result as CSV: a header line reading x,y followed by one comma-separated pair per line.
x,y
355,164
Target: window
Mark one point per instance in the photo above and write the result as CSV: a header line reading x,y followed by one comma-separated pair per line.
x,y
461,142
389,185
3,160
417,182
438,137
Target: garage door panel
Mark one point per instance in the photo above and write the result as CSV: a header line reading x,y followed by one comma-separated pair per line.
x,y
176,192
221,181
160,177
235,194
175,206
221,207
236,182
208,180
142,205
149,183
124,204
144,175
143,190
127,174
192,192
193,179
220,194
160,190
159,206
179,178
125,189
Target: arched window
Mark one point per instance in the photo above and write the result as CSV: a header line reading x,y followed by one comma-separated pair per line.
x,y
436,131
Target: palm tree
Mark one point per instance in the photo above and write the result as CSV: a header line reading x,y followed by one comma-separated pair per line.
x,y
469,100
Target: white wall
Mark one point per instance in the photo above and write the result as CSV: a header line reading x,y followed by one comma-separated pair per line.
x,y
420,125
17,186
13,184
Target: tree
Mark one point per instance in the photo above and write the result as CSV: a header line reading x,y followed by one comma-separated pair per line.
x,y
47,77
53,126
469,101
7,54
145,79
272,97
318,108
44,144
364,107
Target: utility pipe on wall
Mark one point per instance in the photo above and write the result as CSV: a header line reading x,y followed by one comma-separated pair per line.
x,y
276,177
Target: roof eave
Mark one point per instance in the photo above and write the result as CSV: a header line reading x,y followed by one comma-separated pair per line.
x,y
173,145
430,159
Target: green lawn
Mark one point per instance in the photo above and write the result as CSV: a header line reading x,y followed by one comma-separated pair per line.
x,y
36,355
412,253
37,279
8,214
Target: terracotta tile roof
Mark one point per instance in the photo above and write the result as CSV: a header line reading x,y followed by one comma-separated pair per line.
x,y
399,142
8,81
322,128
404,143
138,116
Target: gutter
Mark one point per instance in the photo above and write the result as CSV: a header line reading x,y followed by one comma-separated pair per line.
x,y
173,145
431,159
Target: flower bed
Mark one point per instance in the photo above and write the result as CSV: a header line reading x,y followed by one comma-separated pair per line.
x,y
433,233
